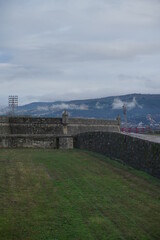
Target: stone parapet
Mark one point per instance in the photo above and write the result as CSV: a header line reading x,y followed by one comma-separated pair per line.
x,y
34,132
56,126
28,141
138,153
92,121
4,125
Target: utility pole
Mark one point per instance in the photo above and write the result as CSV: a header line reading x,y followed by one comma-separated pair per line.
x,y
12,103
125,115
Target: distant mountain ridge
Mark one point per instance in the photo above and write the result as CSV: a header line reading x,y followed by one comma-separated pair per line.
x,y
141,108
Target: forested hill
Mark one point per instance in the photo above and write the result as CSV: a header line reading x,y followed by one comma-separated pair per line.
x,y
140,108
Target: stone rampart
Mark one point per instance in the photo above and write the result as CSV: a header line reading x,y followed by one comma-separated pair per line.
x,y
92,121
42,132
34,120
4,125
24,125
138,153
55,126
78,125
36,141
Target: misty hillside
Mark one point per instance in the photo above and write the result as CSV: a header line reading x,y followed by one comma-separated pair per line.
x,y
140,108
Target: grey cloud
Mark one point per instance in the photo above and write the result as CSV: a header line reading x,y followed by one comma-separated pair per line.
x,y
118,104
62,106
78,49
69,107
98,106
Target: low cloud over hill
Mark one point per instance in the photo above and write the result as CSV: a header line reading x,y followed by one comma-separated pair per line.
x,y
139,106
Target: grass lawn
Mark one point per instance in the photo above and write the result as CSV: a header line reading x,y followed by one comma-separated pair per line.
x,y
58,195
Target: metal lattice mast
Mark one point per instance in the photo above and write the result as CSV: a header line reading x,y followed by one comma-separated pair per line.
x,y
13,103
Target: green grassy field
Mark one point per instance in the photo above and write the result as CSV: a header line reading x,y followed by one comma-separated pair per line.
x,y
58,195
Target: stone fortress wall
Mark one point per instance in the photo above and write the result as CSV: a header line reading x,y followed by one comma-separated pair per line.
x,y
139,153
101,136
55,126
48,132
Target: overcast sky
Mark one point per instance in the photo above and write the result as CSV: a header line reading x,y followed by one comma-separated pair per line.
x,y
74,49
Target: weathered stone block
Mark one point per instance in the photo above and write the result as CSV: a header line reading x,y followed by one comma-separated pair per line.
x,y
66,143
